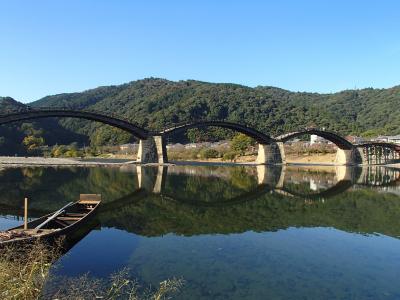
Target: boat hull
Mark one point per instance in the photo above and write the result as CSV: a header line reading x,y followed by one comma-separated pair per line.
x,y
66,235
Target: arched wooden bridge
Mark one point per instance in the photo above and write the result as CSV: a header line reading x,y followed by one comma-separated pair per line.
x,y
333,137
152,146
134,129
258,136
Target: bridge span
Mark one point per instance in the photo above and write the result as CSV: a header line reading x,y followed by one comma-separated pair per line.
x,y
134,129
152,146
258,136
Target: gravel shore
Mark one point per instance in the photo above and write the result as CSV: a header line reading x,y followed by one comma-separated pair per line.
x,y
41,161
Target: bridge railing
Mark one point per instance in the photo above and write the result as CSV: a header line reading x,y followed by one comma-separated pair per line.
x,y
393,146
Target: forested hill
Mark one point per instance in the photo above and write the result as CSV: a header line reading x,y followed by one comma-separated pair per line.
x,y
153,102
156,103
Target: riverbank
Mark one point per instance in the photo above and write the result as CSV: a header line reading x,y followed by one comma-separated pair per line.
x,y
42,161
328,158
311,160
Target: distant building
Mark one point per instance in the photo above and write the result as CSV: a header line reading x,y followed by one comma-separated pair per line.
x,y
388,139
315,139
294,141
177,146
127,147
198,145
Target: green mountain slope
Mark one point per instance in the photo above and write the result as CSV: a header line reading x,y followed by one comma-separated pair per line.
x,y
157,103
12,135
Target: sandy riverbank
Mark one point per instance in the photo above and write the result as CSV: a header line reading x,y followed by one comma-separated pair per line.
x,y
41,161
17,160
328,158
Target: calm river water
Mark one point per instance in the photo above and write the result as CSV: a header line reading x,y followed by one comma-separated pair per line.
x,y
229,232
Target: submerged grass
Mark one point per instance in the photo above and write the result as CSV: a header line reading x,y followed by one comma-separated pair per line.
x,y
119,286
24,270
25,274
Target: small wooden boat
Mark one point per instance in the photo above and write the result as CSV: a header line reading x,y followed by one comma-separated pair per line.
x,y
63,222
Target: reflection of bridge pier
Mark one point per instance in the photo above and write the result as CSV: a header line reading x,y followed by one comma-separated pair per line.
x,y
379,176
152,179
342,179
300,184
162,172
272,176
144,178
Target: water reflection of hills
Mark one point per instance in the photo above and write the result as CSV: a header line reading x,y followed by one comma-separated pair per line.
x,y
49,188
187,200
359,211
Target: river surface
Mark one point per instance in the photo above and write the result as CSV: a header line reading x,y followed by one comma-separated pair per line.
x,y
229,232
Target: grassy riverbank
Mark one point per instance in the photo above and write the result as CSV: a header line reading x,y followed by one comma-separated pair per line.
x,y
26,274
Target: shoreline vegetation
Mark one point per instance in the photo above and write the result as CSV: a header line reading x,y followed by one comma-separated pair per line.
x,y
26,273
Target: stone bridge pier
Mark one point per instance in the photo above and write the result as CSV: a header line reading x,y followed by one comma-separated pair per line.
x,y
152,150
273,153
348,157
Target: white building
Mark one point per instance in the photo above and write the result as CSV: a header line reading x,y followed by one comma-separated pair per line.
x,y
315,139
126,147
388,139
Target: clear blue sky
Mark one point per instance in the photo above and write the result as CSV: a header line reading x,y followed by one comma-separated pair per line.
x,y
49,47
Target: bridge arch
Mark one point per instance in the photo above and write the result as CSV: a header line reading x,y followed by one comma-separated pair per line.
x,y
340,187
347,153
92,116
260,137
268,150
333,137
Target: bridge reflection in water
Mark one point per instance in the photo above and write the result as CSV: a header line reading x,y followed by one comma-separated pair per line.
x,y
192,200
212,225
200,200
323,181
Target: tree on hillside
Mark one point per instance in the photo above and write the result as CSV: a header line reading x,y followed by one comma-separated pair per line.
x,y
33,143
33,139
241,143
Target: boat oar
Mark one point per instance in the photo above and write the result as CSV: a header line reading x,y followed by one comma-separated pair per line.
x,y
55,215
